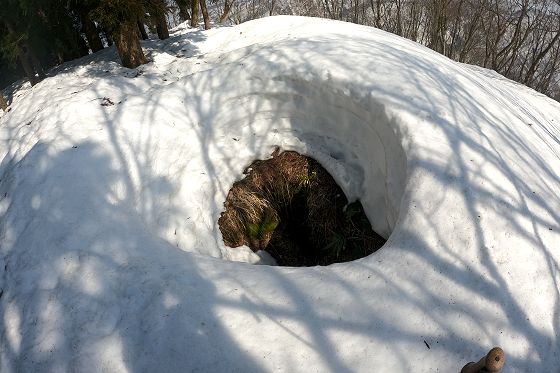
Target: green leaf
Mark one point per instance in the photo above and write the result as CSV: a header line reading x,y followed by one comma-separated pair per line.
x,y
266,225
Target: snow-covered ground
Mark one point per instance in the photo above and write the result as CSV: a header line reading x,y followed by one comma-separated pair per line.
x,y
112,181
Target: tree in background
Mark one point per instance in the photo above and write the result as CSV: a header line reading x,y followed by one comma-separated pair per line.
x,y
142,30
194,13
197,5
184,6
82,10
89,28
519,39
158,9
227,9
39,34
120,18
205,14
3,102
16,43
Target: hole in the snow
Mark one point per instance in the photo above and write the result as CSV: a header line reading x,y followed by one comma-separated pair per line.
x,y
292,208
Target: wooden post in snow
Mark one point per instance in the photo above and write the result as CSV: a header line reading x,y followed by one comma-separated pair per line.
x,y
492,362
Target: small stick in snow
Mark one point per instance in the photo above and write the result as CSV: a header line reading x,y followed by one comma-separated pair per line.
x,y
106,101
493,362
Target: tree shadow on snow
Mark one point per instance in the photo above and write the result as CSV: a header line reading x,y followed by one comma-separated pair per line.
x,y
87,280
473,150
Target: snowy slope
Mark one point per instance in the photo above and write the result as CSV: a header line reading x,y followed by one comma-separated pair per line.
x,y
111,258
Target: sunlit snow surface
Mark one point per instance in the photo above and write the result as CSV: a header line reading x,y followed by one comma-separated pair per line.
x,y
111,258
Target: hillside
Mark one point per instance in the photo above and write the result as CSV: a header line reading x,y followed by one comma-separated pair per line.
x,y
112,181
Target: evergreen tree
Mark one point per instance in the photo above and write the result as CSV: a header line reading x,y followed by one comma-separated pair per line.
x,y
142,30
39,34
60,32
120,18
83,9
15,43
158,9
184,6
89,28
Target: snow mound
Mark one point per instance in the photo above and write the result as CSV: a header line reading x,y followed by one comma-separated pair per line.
x,y
112,181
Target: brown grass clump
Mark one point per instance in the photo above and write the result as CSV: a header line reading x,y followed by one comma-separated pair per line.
x,y
291,207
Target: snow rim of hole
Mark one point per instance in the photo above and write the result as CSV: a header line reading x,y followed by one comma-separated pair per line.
x,y
350,133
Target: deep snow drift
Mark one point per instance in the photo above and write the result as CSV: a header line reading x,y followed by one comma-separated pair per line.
x,y
112,260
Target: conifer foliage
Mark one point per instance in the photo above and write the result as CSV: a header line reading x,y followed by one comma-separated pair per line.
x,y
36,35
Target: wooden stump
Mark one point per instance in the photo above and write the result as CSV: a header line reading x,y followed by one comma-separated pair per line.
x,y
3,103
493,362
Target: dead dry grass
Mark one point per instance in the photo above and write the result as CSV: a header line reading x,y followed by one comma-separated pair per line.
x,y
291,207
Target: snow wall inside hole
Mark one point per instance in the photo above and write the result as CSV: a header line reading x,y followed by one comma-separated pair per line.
x,y
350,134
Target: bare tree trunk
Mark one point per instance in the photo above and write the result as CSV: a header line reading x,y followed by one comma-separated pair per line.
x,y
438,26
3,102
499,62
455,30
376,9
227,10
183,11
329,11
82,47
128,46
470,32
205,14
161,27
414,16
142,30
92,34
36,64
27,67
545,83
158,11
399,18
108,37
532,69
194,13
24,61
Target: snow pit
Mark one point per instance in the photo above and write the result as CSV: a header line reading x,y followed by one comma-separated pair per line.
x,y
355,142
291,208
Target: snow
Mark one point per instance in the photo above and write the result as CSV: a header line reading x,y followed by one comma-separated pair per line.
x,y
111,258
